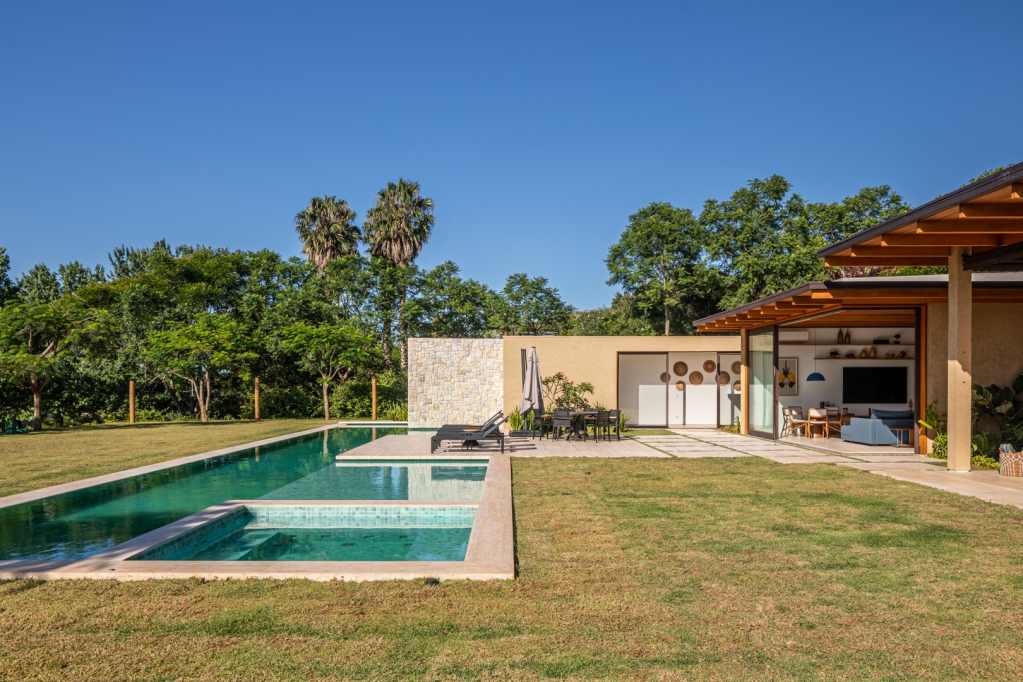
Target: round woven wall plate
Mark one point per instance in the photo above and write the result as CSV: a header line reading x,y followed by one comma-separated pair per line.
x,y
680,369
710,366
696,378
664,377
737,386
736,367
724,378
680,385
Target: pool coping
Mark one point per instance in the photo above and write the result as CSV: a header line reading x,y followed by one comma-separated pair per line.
x,y
490,554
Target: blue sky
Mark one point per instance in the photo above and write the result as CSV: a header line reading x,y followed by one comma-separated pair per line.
x,y
537,128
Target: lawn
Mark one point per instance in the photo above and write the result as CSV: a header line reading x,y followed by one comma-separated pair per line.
x,y
52,456
631,568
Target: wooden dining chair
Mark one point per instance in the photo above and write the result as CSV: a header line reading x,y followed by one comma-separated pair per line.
x,y
817,416
800,424
836,418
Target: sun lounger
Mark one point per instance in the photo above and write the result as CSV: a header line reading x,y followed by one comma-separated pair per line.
x,y
469,434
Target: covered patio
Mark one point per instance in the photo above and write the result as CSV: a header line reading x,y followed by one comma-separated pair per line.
x,y
948,331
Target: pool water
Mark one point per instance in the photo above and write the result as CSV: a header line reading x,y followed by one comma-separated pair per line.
x,y
338,544
79,524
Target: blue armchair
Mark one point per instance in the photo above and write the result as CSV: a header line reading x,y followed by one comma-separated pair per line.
x,y
877,429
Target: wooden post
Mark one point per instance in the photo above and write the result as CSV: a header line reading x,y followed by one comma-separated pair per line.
x,y
744,378
131,401
960,361
373,381
257,399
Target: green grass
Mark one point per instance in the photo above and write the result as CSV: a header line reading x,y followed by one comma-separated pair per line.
x,y
52,456
629,568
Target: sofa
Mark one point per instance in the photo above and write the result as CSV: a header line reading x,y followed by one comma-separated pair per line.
x,y
877,428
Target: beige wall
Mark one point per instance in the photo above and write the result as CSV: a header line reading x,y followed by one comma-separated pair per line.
x,y
594,359
997,346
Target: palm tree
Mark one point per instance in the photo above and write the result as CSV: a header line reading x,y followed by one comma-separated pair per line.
x,y
399,223
327,230
396,228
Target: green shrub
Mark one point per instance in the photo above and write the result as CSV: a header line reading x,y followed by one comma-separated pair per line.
x,y
292,402
516,421
353,399
148,414
393,412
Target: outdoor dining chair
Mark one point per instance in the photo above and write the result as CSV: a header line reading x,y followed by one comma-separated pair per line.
x,y
561,421
614,416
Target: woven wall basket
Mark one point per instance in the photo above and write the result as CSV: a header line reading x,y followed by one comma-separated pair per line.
x,y
696,378
709,366
680,385
736,367
724,378
1011,464
680,368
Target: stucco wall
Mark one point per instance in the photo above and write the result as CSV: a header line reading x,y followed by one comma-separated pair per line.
x,y
453,381
997,346
594,359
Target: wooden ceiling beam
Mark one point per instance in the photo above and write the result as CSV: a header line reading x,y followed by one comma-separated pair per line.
x,y
1016,191
971,225
914,239
902,251
991,210
880,261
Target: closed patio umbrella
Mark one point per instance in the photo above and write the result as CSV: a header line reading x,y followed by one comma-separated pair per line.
x,y
532,389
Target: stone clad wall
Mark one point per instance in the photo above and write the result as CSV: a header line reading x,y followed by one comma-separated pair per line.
x,y
454,381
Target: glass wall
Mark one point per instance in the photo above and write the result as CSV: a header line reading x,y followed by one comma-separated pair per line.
x,y
761,383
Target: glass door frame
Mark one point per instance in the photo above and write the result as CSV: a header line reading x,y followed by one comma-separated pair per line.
x,y
773,434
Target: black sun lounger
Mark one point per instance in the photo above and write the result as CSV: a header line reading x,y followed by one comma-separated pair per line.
x,y
469,434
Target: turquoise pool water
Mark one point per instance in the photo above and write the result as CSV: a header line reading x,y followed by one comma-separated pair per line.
x,y
338,544
76,525
324,534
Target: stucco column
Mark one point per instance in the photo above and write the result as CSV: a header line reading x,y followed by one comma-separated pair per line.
x,y
960,361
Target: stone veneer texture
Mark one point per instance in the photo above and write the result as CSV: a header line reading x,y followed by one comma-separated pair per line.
x,y
454,381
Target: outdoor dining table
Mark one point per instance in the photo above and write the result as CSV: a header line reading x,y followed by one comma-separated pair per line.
x,y
583,416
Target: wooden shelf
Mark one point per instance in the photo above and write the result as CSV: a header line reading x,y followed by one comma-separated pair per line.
x,y
859,359
850,345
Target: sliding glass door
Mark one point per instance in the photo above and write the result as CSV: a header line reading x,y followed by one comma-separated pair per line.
x,y
761,383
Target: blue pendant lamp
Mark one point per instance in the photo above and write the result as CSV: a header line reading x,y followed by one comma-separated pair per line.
x,y
816,376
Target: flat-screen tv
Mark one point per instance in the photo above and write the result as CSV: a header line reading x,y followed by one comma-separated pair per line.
x,y
874,385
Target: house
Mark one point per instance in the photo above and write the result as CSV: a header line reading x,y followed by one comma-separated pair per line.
x,y
932,336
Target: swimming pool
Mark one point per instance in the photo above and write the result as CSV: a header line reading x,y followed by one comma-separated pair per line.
x,y
75,525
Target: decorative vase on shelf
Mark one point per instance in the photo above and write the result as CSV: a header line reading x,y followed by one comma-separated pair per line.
x,y
848,338
840,336
873,352
863,353
897,337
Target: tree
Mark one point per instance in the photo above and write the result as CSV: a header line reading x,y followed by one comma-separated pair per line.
x,y
396,228
7,288
621,318
35,337
659,260
39,285
399,223
447,306
327,230
530,307
196,352
333,351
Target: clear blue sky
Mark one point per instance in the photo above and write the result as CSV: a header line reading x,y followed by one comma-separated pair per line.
x,y
536,127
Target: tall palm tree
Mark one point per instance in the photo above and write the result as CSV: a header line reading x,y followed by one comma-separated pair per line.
x,y
327,230
396,228
399,223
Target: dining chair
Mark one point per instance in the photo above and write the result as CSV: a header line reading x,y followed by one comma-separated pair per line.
x,y
836,418
561,420
615,417
817,416
602,422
